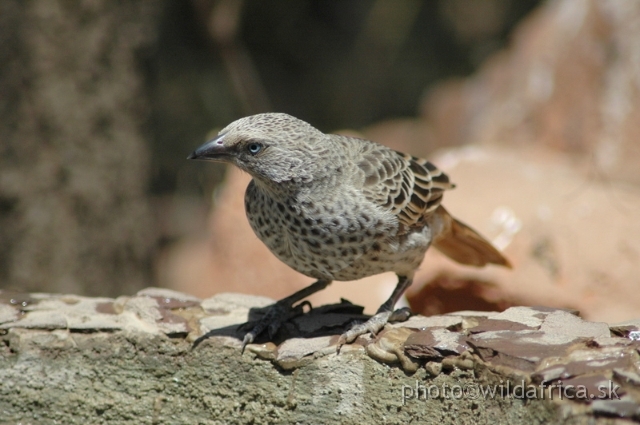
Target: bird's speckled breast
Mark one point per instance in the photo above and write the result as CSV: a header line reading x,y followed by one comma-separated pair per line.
x,y
337,237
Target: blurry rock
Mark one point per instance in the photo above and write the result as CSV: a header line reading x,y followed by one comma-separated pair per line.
x,y
570,81
404,135
75,214
445,294
567,86
573,242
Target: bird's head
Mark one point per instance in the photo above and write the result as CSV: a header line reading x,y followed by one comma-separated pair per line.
x,y
273,148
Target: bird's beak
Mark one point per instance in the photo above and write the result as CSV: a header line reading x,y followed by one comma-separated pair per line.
x,y
211,151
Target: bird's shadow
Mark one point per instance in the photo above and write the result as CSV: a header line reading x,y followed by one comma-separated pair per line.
x,y
329,319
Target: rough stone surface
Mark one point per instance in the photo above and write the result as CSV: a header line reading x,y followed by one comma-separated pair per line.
x,y
70,359
434,344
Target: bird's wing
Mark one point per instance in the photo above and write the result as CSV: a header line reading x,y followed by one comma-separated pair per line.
x,y
409,187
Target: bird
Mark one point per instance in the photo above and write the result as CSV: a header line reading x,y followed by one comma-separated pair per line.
x,y
341,208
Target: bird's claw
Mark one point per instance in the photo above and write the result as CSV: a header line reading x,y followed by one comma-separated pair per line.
x,y
248,339
373,325
273,318
400,315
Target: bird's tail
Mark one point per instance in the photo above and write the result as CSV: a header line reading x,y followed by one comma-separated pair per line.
x,y
463,244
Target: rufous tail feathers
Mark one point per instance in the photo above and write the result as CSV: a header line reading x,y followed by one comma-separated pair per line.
x,y
463,244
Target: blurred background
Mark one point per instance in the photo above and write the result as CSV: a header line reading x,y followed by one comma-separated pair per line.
x,y
531,107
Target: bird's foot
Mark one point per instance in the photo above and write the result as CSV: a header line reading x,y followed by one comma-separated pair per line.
x,y
373,325
273,317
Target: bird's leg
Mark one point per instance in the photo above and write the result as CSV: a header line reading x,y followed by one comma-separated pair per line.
x,y
276,314
384,314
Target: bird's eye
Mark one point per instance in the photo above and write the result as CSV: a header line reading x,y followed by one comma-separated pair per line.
x,y
254,148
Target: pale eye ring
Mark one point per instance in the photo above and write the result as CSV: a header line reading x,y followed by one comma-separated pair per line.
x,y
254,148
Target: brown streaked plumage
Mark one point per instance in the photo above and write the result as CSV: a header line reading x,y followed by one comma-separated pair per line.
x,y
341,208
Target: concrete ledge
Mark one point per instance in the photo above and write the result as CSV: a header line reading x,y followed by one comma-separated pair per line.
x,y
70,359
